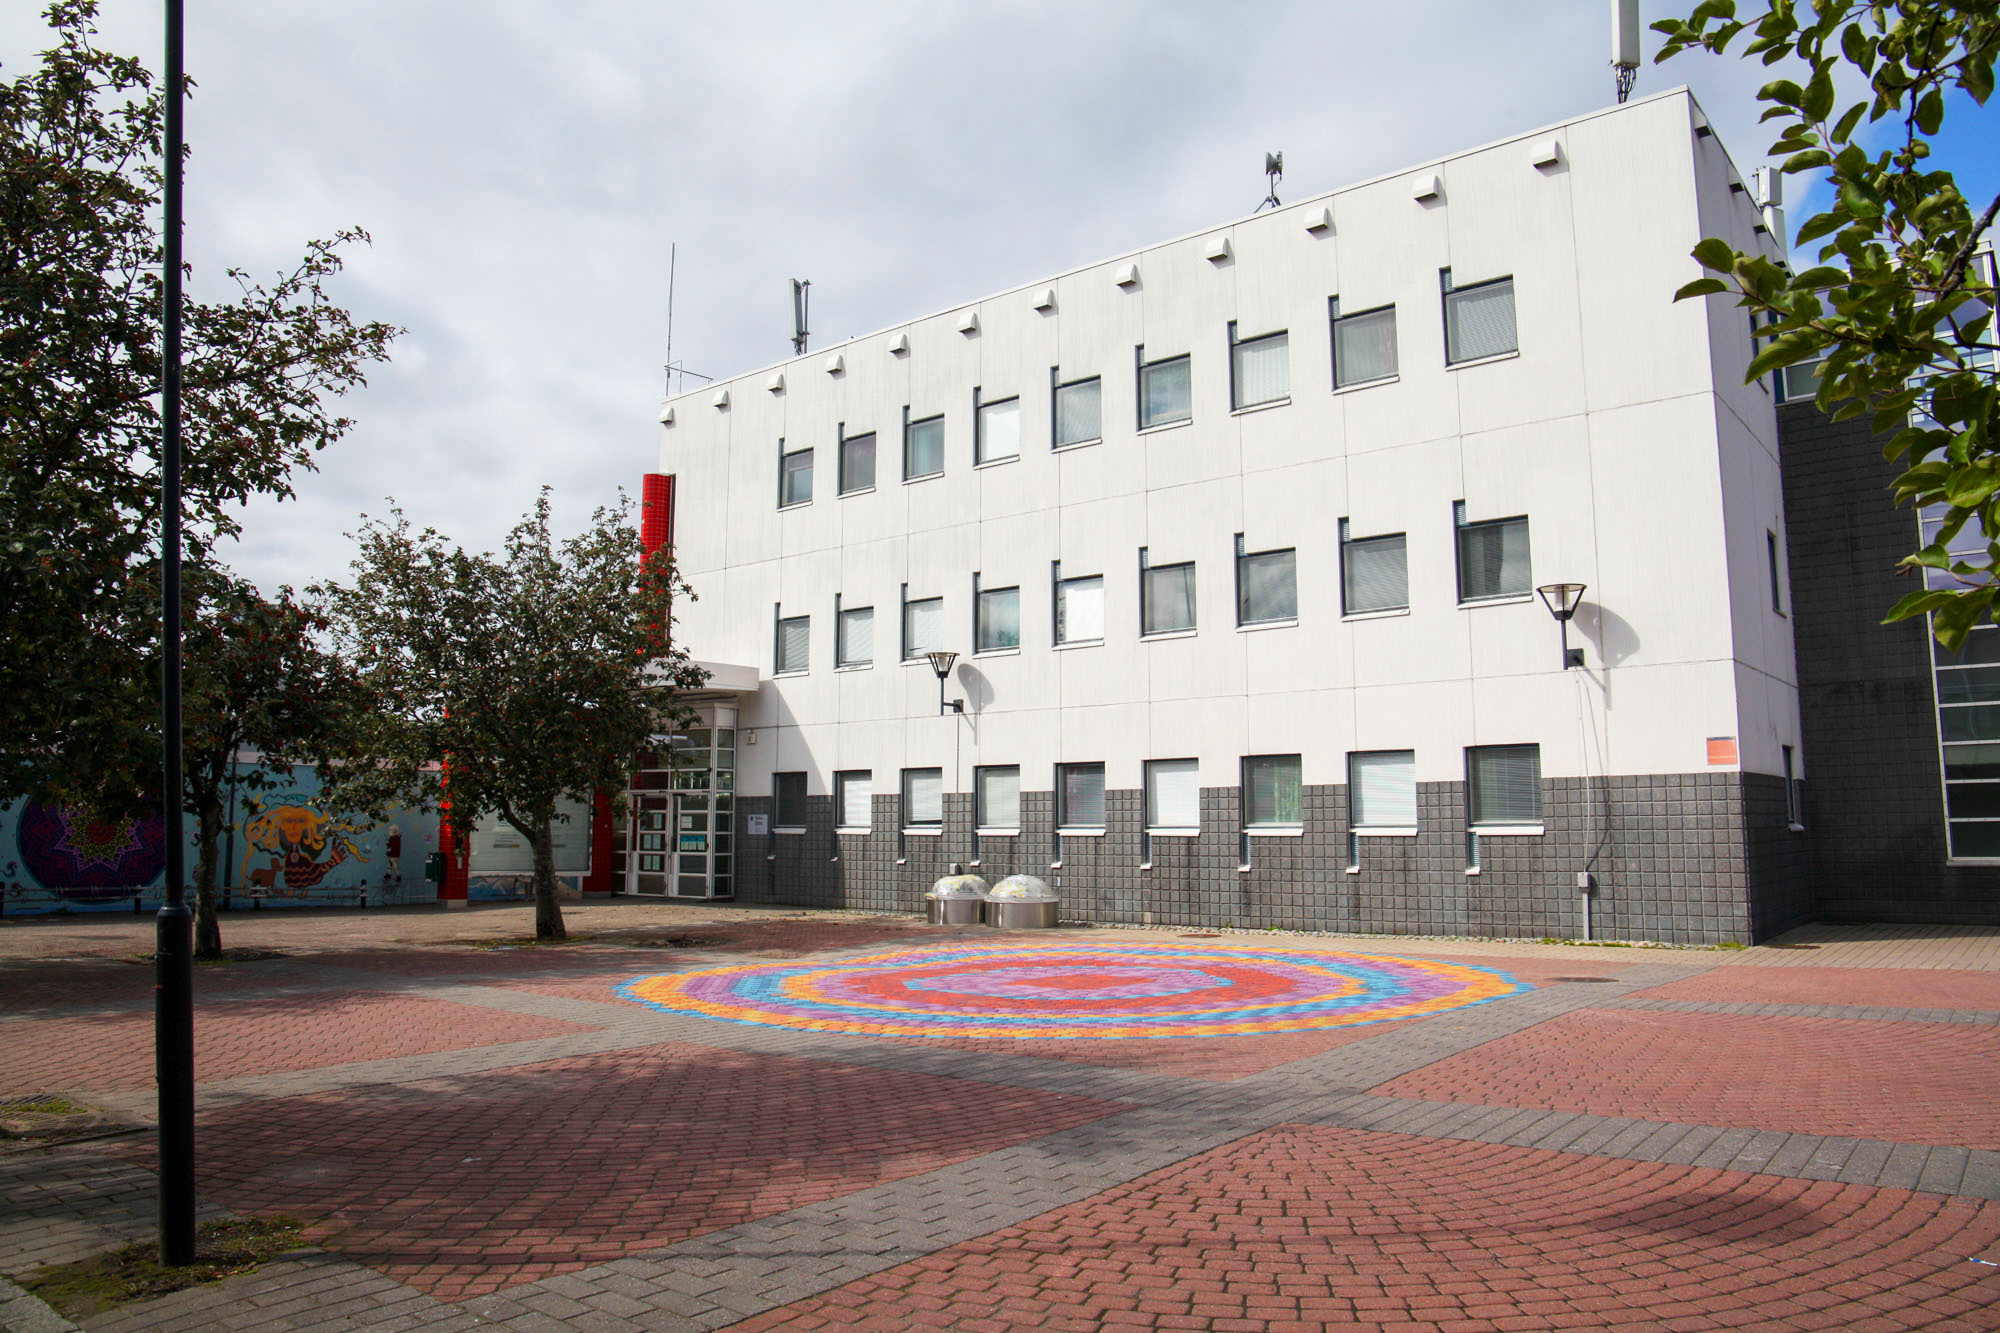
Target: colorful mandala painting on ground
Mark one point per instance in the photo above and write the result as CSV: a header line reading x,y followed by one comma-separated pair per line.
x,y
1077,991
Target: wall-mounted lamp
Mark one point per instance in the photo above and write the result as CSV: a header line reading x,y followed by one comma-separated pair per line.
x,y
1562,600
941,661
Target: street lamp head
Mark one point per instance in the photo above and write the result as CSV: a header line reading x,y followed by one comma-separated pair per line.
x,y
1561,598
941,662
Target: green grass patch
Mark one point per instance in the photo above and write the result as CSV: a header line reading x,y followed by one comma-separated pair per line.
x,y
222,1249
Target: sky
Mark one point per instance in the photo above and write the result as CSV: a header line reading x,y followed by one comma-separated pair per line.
x,y
524,167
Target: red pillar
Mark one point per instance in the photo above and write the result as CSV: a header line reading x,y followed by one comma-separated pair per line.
x,y
453,888
656,512
601,848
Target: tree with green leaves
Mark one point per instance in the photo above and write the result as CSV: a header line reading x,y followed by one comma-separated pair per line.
x,y
1895,310
81,310
508,684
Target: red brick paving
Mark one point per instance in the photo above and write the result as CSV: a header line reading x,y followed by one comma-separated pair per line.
x,y
1217,1059
1906,988
461,1187
1912,1082
1303,1227
265,1035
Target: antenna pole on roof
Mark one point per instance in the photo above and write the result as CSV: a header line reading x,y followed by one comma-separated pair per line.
x,y
801,303
1274,171
1625,44
672,253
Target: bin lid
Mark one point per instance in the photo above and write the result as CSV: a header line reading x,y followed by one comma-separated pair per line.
x,y
958,886
1022,889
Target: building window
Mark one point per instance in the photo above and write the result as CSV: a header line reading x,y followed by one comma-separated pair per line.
x,y
1968,699
1382,791
999,619
857,637
1165,391
794,644
1364,344
1166,597
923,626
1374,573
1777,586
857,462
1478,320
1079,797
1079,607
996,429
1267,585
1260,369
789,802
997,797
923,446
1079,410
923,798
1800,380
1173,796
1504,785
1492,557
1272,792
853,794
795,476
1794,813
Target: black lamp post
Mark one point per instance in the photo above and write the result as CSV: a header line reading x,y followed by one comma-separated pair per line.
x,y
1562,600
941,661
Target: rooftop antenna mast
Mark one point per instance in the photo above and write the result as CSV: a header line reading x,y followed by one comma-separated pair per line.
x,y
1274,171
801,303
674,367
1625,44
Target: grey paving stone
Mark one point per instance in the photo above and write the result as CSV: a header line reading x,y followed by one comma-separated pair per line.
x,y
1758,1150
1904,1167
1943,1169
23,1313
1791,1159
1982,1175
1864,1166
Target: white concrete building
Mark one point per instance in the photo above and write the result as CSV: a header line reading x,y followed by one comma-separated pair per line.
x,y
1265,508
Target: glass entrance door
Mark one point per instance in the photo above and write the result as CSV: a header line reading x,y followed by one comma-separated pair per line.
x,y
676,838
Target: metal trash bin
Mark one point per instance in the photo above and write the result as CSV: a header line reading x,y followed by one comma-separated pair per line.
x,y
957,900
1021,902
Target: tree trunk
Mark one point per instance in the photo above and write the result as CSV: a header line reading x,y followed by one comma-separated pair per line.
x,y
207,930
548,912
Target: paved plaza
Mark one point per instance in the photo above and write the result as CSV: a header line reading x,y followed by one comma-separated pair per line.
x,y
710,1117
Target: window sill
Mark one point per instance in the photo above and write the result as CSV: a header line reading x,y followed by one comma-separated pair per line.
x,y
1504,599
1157,427
1387,613
795,671
1076,444
855,666
1255,625
796,504
1368,384
1351,870
999,652
1472,870
1079,833
1795,828
854,832
1078,643
1173,833
1483,360
923,831
996,462
1509,830
1246,410
858,490
928,476
1285,831
996,833
1168,634
1385,832
918,660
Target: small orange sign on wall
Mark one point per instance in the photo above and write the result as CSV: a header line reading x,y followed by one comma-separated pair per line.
x,y
1721,749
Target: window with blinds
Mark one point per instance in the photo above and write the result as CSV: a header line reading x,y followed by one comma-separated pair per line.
x,y
999,616
923,448
1382,790
857,636
853,797
1173,796
1080,609
794,643
788,801
1478,320
1504,784
857,463
1374,573
999,431
923,797
795,477
1079,796
923,627
1165,392
997,796
1079,412
1267,585
1272,792
1492,558
1260,369
1364,345
1166,596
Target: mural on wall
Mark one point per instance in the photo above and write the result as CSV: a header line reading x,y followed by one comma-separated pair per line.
x,y
82,858
293,847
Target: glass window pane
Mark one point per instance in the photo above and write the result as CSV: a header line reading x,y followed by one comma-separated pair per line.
x,y
1169,598
857,636
1364,347
1505,784
923,626
794,641
1173,794
1382,789
1271,791
1079,412
923,450
1973,685
1263,370
790,791
1493,559
798,480
999,430
1972,761
1978,723
856,793
999,619
1080,609
1972,800
1268,587
1164,392
999,797
1080,789
857,462
1479,321
1975,839
1981,647
923,796
1375,574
